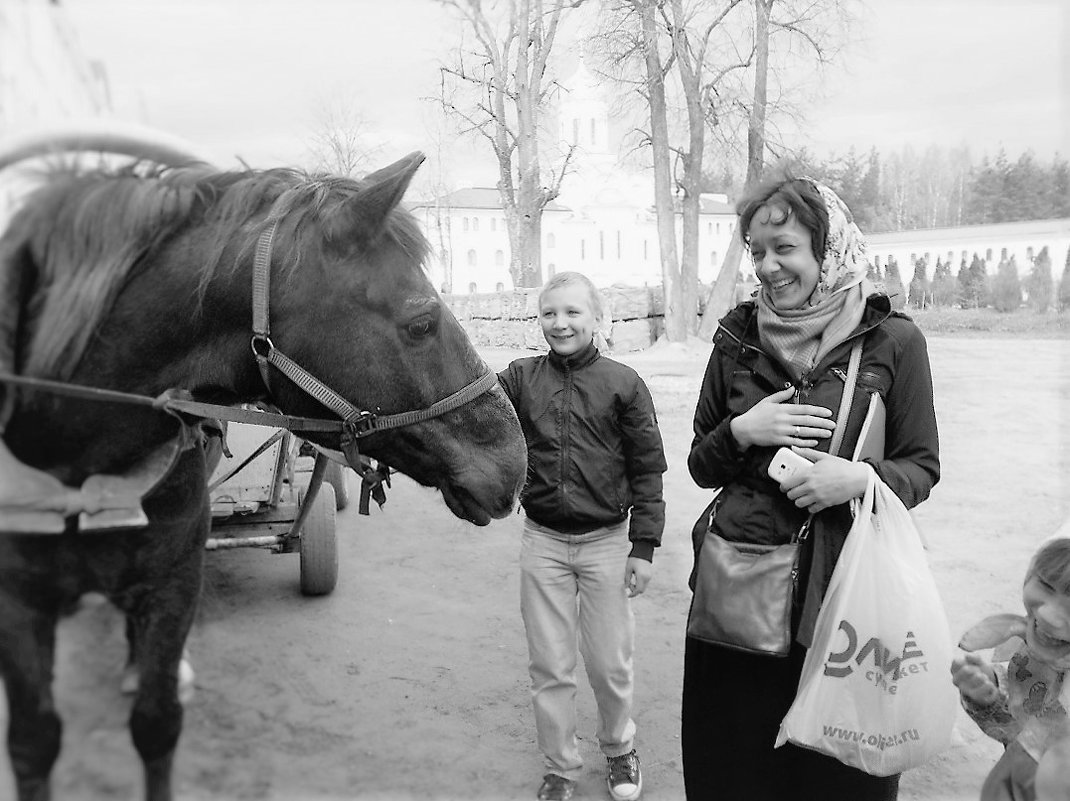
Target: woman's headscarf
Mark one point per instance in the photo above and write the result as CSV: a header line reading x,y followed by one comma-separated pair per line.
x,y
800,338
845,264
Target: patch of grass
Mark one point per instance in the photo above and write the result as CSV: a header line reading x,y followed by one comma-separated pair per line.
x,y
991,323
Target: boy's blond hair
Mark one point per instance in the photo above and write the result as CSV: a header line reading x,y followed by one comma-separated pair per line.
x,y
573,278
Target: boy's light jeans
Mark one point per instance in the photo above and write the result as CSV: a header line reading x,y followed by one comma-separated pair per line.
x,y
573,586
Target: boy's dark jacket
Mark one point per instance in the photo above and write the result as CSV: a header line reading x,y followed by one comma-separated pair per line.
x,y
594,448
751,507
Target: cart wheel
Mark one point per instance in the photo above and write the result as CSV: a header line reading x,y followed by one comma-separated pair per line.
x,y
319,545
338,478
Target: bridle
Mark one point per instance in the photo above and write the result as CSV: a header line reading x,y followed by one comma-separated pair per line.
x,y
356,422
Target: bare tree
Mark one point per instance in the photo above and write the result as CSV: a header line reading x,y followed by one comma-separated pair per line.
x,y
702,76
672,43
342,142
821,26
675,325
498,89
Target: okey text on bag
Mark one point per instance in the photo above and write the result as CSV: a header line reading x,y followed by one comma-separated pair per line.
x,y
887,670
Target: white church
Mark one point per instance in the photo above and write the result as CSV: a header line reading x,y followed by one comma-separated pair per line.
x,y
602,223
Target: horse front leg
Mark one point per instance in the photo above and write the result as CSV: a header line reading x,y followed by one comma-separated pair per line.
x,y
157,714
34,729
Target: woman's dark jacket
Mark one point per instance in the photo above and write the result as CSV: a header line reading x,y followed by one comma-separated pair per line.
x,y
751,507
594,448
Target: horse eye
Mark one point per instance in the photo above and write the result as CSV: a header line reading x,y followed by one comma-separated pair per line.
x,y
421,327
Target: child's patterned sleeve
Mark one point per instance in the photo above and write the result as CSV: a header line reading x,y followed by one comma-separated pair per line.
x,y
995,719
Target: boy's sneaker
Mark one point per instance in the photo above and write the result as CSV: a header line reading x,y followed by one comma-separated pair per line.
x,y
556,788
625,780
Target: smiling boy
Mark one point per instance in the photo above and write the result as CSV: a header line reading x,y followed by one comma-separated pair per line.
x,y
593,516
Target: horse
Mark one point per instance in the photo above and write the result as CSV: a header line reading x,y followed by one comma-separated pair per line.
x,y
184,281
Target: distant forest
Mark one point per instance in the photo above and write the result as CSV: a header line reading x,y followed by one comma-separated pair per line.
x,y
939,188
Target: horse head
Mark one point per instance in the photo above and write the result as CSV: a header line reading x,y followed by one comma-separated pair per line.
x,y
348,297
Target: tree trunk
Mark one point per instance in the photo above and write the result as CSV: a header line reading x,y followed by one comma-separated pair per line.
x,y
675,327
722,296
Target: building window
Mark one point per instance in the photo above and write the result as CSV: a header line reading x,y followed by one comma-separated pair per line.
x,y
618,246
594,137
718,229
1029,253
471,258
499,258
602,245
475,223
988,254
472,288
551,269
731,227
465,221
709,228
646,256
493,223
499,287
583,249
713,258
551,241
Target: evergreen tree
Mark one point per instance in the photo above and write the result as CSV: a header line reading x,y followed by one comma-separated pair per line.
x,y
1059,202
893,285
1064,285
920,288
973,284
1039,283
1007,287
945,288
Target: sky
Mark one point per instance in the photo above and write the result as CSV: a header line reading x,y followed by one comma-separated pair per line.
x,y
255,79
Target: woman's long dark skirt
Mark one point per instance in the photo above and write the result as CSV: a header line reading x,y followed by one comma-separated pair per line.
x,y
732,707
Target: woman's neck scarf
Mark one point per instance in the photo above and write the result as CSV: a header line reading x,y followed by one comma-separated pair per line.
x,y
800,338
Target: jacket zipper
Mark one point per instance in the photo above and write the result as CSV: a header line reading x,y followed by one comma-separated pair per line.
x,y
566,415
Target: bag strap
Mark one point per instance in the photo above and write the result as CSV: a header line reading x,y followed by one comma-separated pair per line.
x,y
846,398
841,421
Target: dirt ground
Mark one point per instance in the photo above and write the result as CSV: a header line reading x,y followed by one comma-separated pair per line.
x,y
410,680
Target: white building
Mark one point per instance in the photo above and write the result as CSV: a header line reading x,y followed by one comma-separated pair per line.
x,y
1023,240
602,223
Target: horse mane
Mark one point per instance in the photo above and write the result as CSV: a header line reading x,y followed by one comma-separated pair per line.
x,y
84,234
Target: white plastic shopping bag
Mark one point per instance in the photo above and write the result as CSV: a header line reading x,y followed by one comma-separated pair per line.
x,y
876,689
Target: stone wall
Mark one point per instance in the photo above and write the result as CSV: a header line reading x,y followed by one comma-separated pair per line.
x,y
635,317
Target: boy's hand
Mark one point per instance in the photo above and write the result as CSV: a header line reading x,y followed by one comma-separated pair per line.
x,y
637,574
975,679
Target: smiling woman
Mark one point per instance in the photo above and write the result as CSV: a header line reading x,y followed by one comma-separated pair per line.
x,y
775,376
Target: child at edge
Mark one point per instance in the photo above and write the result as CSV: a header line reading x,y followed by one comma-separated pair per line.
x,y
593,515
1024,704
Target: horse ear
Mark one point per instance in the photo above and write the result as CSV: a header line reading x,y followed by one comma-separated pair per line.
x,y
363,214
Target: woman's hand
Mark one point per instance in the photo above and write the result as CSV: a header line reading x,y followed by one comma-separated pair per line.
x,y
831,481
774,420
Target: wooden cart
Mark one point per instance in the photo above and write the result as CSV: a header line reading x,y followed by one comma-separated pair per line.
x,y
262,498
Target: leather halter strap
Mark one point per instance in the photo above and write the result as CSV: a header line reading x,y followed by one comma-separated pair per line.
x,y
357,422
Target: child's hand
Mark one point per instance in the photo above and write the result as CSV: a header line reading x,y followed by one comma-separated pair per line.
x,y
637,574
975,679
